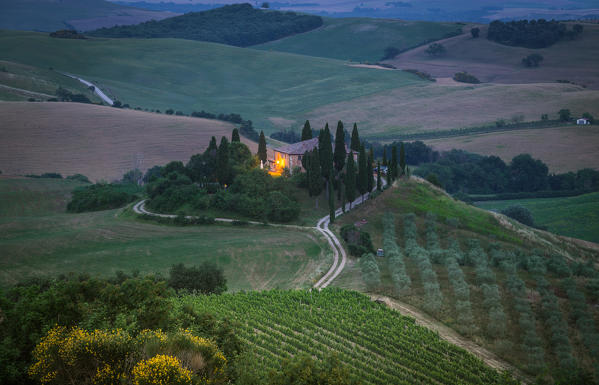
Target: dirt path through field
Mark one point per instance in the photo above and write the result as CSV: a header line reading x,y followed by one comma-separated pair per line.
x,y
452,336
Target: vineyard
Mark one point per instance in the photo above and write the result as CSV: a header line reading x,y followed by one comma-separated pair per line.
x,y
377,344
527,305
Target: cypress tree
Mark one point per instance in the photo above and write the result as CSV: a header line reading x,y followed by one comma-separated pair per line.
x,y
315,177
385,155
342,190
331,199
362,170
326,152
393,162
222,162
355,139
307,131
235,136
350,180
379,182
402,158
340,154
369,171
262,147
212,147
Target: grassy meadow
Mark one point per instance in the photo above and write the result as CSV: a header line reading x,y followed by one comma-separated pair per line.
x,y
563,149
576,217
98,141
360,39
39,239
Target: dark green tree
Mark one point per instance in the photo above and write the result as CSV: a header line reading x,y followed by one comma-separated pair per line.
x,y
342,190
350,179
475,32
340,154
402,158
369,170
223,168
355,139
307,131
235,136
262,154
385,163
331,199
314,175
379,182
393,166
362,172
212,147
326,153
564,114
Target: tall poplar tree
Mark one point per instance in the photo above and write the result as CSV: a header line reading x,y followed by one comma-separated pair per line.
x,y
326,153
369,170
235,136
393,162
262,154
306,131
350,180
379,182
402,158
223,171
355,139
340,154
362,172
331,199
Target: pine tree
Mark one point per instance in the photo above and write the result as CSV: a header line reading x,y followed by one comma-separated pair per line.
x,y
402,158
223,171
307,131
314,176
369,171
393,166
235,136
326,152
385,156
379,182
355,139
340,154
262,147
331,199
350,180
362,170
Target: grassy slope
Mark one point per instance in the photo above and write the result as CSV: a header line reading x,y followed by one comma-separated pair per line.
x,y
47,15
492,62
27,81
360,39
567,148
576,217
38,238
188,75
412,197
97,141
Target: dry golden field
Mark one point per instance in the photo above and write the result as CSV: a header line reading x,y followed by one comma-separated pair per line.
x,y
100,142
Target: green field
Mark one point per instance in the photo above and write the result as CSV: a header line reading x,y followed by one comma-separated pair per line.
x,y
188,75
378,345
360,39
39,239
442,290
576,217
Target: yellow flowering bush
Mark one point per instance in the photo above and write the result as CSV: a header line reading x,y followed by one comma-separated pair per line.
x,y
161,370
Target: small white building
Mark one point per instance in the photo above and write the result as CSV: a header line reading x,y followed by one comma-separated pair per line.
x,y
582,121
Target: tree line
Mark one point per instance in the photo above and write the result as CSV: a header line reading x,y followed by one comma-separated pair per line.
x,y
531,33
238,25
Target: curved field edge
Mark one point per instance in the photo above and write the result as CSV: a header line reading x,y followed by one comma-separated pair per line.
x,y
379,345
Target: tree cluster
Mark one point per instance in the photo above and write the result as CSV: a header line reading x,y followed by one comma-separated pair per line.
x,y
530,33
67,34
102,196
436,50
476,174
465,77
532,60
65,95
395,259
238,24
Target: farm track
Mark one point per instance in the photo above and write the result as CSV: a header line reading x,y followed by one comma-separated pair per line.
x,y
97,90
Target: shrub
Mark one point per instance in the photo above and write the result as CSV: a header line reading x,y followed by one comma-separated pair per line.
x,y
436,49
206,279
532,60
370,271
519,213
161,370
79,177
390,52
102,196
465,77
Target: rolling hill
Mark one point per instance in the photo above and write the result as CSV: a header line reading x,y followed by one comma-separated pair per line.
x,y
83,15
361,39
510,288
100,142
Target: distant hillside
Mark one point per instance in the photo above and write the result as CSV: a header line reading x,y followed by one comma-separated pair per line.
x,y
83,15
239,25
362,39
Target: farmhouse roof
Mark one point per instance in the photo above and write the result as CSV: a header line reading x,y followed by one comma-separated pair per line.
x,y
300,148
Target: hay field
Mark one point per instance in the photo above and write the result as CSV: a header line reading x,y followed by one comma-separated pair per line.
x,y
99,142
38,238
575,61
437,106
563,149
